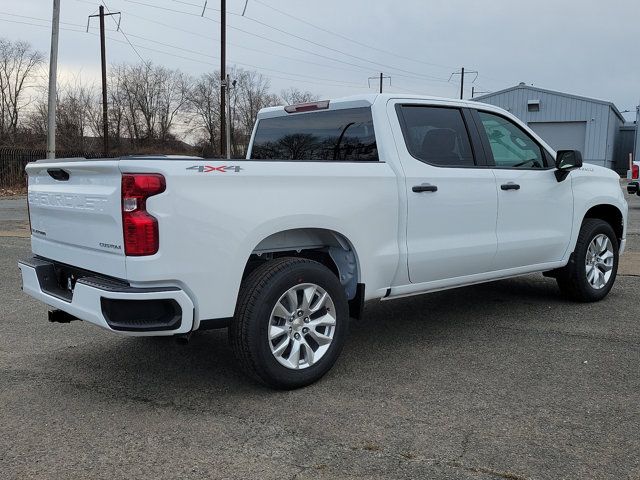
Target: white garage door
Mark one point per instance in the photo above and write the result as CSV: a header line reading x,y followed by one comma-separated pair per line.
x,y
562,135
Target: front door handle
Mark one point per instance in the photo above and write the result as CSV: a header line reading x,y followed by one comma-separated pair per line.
x,y
425,187
510,186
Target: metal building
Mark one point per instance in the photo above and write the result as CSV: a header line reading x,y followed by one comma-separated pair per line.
x,y
637,142
625,147
565,121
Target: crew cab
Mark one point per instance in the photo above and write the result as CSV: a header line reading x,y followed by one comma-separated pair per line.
x,y
371,197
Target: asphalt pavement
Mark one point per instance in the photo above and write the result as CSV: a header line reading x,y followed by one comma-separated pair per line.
x,y
498,381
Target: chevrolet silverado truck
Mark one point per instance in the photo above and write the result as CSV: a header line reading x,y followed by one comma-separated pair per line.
x,y
336,203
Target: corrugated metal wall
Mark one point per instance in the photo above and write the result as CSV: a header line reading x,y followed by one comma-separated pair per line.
x,y
602,123
624,146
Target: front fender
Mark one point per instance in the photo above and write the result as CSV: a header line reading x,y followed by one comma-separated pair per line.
x,y
593,186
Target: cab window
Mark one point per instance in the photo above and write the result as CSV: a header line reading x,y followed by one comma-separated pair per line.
x,y
345,135
436,135
511,146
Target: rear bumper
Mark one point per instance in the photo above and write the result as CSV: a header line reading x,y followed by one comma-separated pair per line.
x,y
111,304
633,188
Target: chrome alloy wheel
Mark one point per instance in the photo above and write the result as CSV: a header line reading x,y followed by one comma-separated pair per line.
x,y
599,261
302,326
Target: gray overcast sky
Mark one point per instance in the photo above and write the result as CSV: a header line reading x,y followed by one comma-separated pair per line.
x,y
584,47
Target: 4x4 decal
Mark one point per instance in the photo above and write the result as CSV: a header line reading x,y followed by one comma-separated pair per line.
x,y
211,168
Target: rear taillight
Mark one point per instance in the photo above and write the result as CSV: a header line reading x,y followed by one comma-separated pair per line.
x,y
635,172
140,229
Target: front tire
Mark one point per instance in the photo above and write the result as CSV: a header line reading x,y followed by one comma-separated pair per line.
x,y
593,266
290,323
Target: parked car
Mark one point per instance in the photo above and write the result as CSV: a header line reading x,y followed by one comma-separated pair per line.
x,y
338,202
633,187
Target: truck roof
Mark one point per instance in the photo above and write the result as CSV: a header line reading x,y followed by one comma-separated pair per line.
x,y
368,99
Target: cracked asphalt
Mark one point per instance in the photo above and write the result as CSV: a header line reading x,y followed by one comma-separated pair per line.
x,y
498,381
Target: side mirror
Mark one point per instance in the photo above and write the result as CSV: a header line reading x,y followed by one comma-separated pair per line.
x,y
566,161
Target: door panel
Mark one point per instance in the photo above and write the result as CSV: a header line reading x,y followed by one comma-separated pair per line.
x,y
451,232
535,211
452,208
534,222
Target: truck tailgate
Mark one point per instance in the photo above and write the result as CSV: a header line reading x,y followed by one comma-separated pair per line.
x,y
75,214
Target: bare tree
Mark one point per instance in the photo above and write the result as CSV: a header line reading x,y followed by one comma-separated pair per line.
x,y
150,106
292,96
204,109
75,105
251,95
175,87
18,64
116,111
146,101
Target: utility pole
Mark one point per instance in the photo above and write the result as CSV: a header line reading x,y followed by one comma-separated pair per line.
x,y
637,143
53,73
223,78
462,73
105,115
381,78
103,60
228,112
474,92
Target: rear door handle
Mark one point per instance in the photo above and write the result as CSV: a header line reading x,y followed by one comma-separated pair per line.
x,y
510,186
425,187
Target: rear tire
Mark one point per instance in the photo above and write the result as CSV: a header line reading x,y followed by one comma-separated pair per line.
x,y
592,269
290,323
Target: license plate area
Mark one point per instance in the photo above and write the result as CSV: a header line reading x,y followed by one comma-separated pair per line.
x,y
66,278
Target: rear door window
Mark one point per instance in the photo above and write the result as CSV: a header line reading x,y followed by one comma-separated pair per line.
x,y
436,135
332,135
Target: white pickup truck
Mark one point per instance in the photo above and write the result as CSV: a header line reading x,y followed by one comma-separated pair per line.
x,y
338,202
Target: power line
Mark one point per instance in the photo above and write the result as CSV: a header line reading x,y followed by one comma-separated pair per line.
x,y
38,25
239,63
208,55
334,83
315,54
381,79
248,33
124,34
313,42
233,44
264,52
462,74
36,18
344,37
303,79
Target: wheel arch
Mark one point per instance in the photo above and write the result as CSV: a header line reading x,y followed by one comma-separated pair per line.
x,y
610,214
328,247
